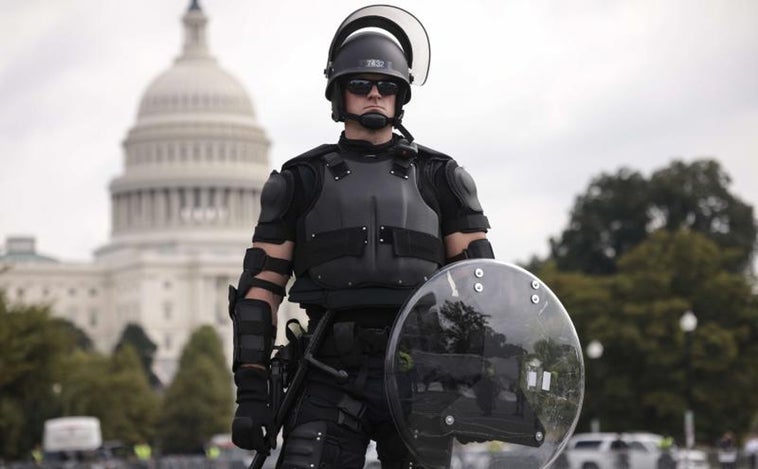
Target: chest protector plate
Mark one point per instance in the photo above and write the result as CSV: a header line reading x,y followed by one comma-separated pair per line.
x,y
369,226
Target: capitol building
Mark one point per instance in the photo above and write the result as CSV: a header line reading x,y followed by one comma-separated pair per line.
x,y
182,215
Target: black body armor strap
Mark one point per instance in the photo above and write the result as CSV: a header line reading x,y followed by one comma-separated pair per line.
x,y
256,261
331,245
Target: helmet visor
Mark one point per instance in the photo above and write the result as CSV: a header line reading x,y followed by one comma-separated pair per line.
x,y
405,27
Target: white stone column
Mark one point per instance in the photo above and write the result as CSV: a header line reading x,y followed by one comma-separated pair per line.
x,y
223,203
124,203
217,193
145,200
136,215
234,210
204,205
186,205
247,217
160,208
174,206
121,208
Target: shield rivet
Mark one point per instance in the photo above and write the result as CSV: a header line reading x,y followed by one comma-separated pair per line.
x,y
539,436
449,420
479,273
535,299
478,287
535,284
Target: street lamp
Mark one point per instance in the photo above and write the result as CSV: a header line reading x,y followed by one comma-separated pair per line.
x,y
594,351
688,323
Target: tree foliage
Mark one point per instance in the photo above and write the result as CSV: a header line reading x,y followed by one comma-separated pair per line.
x,y
136,337
198,402
32,348
116,390
641,381
48,369
619,211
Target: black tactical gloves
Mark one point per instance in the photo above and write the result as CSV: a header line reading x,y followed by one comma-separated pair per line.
x,y
253,413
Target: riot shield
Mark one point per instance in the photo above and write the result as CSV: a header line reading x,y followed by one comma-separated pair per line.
x,y
484,352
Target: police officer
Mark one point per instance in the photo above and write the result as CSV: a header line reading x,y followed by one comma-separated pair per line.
x,y
361,223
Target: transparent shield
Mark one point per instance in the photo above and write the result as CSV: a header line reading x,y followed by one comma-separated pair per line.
x,y
484,355
406,28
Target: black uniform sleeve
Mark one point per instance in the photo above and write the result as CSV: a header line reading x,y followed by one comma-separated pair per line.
x,y
460,210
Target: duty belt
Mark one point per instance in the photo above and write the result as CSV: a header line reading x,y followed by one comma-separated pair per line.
x,y
351,344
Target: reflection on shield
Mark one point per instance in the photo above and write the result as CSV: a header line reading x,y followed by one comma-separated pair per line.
x,y
484,352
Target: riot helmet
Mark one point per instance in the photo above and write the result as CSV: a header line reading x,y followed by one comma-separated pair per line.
x,y
377,39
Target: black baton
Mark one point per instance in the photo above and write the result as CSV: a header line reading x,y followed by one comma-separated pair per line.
x,y
297,381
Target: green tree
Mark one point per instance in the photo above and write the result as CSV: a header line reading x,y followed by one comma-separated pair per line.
x,y
641,382
114,389
198,403
606,221
134,335
32,348
696,196
619,211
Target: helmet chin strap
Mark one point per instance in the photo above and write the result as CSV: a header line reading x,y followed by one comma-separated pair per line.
x,y
376,121
370,120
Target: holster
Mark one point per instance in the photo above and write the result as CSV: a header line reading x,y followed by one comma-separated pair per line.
x,y
286,359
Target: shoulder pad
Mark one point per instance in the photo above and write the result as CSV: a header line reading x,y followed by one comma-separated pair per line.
x,y
311,154
276,196
430,153
462,185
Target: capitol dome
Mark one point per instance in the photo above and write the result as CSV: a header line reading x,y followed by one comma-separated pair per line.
x,y
195,86
195,83
196,158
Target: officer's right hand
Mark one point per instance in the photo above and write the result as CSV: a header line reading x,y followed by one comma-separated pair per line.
x,y
253,415
249,423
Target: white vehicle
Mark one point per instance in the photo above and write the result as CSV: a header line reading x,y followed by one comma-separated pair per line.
x,y
613,450
70,440
72,434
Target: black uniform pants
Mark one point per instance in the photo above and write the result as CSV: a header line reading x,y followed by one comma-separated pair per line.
x,y
333,423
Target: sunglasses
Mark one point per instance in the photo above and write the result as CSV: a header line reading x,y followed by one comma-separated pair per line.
x,y
362,86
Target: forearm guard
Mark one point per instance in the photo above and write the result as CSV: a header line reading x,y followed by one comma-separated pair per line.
x,y
253,331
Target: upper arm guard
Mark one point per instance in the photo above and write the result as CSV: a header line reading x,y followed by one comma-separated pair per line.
x,y
276,199
464,213
463,186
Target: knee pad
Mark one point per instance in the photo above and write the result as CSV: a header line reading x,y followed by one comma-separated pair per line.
x,y
316,444
304,446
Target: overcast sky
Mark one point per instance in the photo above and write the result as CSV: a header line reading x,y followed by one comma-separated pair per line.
x,y
533,97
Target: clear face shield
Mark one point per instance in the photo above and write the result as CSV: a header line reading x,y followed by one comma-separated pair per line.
x,y
484,358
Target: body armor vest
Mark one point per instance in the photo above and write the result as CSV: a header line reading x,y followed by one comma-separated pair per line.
x,y
369,226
